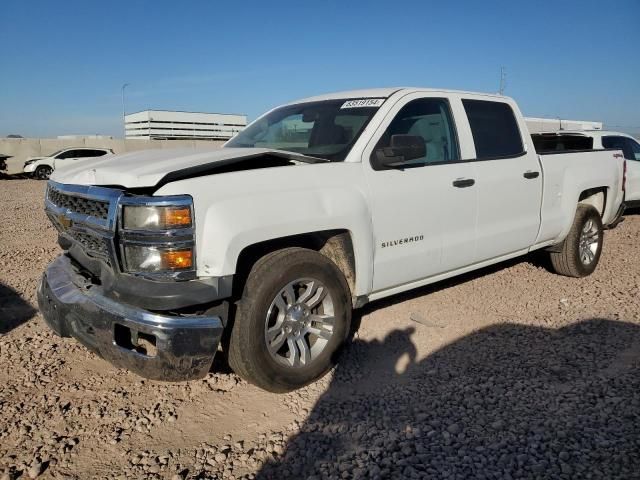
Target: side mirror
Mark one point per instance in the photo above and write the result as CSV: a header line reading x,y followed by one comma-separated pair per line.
x,y
403,148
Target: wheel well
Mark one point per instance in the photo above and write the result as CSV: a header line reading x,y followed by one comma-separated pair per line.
x,y
336,245
596,197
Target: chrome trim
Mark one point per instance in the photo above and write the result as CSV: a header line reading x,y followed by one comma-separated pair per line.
x,y
112,230
108,195
102,230
186,344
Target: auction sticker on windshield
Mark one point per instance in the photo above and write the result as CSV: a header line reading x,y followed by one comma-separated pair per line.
x,y
363,102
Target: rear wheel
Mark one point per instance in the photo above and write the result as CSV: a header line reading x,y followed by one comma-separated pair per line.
x,y
580,252
294,315
43,172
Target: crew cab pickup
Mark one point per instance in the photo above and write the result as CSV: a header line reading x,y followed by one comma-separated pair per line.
x,y
264,247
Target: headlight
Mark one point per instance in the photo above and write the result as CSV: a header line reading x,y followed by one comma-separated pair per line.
x,y
156,259
28,162
157,236
156,217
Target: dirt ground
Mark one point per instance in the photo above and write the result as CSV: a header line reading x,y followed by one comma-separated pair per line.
x,y
510,372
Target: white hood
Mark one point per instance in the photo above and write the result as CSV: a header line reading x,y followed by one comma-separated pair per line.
x,y
144,168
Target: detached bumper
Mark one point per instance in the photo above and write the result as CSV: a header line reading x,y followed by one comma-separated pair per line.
x,y
158,347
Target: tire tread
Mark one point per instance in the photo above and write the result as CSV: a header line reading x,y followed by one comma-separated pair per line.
x,y
242,339
565,262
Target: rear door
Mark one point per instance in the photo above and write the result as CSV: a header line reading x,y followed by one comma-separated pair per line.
x,y
509,179
423,223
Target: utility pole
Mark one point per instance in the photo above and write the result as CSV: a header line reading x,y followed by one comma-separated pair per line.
x,y
503,80
124,125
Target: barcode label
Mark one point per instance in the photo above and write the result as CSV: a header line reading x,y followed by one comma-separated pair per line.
x,y
363,102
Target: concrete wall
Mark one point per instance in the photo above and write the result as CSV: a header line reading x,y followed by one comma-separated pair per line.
x,y
21,148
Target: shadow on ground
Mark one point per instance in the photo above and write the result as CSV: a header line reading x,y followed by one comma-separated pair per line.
x,y
508,401
14,311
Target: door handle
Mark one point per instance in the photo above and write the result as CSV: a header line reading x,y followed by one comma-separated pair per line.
x,y
530,175
464,182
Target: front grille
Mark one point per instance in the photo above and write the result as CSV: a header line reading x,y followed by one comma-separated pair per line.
x,y
92,245
84,206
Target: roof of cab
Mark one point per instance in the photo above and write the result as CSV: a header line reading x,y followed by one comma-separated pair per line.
x,y
385,93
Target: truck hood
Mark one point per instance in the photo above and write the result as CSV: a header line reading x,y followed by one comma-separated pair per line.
x,y
154,168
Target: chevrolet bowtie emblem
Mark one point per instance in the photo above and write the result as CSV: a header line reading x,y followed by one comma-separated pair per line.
x,y
64,221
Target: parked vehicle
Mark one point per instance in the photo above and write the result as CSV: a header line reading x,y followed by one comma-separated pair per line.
x,y
316,208
42,167
599,139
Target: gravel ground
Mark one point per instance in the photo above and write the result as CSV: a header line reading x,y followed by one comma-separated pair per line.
x,y
511,372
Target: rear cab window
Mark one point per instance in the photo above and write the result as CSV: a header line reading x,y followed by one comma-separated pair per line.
x,y
552,142
494,129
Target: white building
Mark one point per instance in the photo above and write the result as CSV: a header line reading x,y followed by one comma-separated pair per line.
x,y
547,125
168,125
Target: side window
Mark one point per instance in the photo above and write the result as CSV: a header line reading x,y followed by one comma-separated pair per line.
x,y
494,129
429,118
91,153
67,154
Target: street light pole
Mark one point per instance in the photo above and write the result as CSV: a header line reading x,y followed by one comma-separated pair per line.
x,y
124,124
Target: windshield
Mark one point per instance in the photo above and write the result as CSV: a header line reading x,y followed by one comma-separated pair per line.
x,y
325,129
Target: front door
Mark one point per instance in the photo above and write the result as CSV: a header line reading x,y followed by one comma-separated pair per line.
x,y
424,214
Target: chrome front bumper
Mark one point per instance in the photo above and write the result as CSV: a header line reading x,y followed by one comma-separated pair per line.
x,y
159,347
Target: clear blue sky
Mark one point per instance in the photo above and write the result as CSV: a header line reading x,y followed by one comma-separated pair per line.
x,y
64,62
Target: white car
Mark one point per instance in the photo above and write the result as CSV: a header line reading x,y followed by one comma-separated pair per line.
x,y
568,140
316,208
42,167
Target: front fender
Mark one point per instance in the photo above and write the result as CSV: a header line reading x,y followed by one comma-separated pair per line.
x,y
236,210
227,232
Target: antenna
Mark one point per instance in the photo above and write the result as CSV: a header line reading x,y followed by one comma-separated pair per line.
x,y
503,80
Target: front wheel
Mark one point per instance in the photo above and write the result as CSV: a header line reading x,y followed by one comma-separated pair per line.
x,y
43,172
580,252
294,315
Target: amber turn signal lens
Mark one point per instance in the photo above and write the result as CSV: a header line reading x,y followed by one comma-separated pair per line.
x,y
177,216
176,259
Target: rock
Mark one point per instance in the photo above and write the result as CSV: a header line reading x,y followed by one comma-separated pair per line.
x,y
498,424
34,470
454,429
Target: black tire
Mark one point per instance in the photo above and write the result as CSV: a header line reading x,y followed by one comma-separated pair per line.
x,y
568,261
248,354
43,172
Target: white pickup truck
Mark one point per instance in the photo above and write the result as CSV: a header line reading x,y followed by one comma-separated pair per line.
x,y
265,246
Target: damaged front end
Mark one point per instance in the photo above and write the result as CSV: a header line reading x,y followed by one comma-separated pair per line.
x,y
127,276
